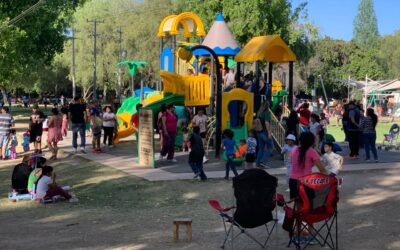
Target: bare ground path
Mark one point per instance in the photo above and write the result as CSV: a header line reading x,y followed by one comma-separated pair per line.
x,y
119,211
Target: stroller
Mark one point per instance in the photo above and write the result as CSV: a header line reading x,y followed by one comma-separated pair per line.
x,y
390,139
255,193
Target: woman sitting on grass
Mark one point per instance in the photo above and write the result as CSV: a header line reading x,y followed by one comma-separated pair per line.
x,y
47,188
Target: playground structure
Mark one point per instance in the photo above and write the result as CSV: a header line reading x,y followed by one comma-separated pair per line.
x,y
186,80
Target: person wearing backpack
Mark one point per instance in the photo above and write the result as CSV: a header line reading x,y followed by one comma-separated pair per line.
x,y
261,125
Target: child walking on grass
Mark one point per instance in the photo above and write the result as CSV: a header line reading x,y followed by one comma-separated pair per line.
x,y
229,144
95,125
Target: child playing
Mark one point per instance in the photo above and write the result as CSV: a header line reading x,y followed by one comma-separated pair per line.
x,y
241,151
95,125
45,123
13,144
25,141
287,151
185,139
251,150
315,128
333,162
64,124
47,187
36,173
229,144
196,154
324,122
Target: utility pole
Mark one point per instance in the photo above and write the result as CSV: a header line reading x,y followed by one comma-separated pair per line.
x,y
95,22
118,92
73,63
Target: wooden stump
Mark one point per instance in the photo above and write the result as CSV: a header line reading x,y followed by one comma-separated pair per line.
x,y
185,222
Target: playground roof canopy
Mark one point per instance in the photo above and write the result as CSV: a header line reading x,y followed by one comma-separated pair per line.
x,y
220,39
392,85
189,21
270,48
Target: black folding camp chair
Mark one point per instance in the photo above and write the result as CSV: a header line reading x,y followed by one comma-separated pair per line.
x,y
255,193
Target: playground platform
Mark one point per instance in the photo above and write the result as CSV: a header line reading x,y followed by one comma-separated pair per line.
x,y
124,157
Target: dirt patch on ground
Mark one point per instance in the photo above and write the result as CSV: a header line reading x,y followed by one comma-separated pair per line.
x,y
117,211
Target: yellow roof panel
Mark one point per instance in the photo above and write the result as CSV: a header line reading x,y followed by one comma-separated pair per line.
x,y
270,48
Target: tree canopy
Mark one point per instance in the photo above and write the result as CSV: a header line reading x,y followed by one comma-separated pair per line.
x,y
366,24
31,43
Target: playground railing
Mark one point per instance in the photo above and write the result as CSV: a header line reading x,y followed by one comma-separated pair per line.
x,y
277,130
197,90
286,111
210,132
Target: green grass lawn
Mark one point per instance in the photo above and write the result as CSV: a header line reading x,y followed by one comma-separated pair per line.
x,y
21,111
337,132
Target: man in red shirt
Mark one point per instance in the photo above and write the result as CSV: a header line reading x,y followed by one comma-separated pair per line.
x,y
305,115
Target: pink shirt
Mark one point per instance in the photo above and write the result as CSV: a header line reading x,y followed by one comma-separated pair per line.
x,y
297,169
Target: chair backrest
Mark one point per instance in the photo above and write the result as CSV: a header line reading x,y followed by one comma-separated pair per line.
x,y
254,192
394,129
318,195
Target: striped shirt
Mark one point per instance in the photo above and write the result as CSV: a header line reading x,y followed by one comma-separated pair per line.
x,y
6,121
367,125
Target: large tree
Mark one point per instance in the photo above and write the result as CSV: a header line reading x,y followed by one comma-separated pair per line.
x,y
139,40
389,55
365,24
29,44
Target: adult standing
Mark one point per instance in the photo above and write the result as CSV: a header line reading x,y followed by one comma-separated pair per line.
x,y
338,114
303,158
36,128
169,121
54,135
77,116
200,120
292,124
160,125
62,100
353,130
229,80
264,135
108,126
6,122
367,126
305,115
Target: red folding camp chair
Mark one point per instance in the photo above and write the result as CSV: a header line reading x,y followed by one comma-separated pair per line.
x,y
255,193
314,212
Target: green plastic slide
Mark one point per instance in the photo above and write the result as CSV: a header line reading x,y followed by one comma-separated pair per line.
x,y
129,105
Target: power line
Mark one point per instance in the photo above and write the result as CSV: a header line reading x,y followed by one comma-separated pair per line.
x,y
22,15
95,35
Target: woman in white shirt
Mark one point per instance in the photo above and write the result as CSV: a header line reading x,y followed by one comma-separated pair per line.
x,y
108,126
46,187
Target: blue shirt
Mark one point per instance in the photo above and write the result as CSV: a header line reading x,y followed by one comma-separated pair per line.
x,y
229,146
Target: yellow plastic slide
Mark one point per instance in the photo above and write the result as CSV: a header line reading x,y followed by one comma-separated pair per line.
x,y
125,127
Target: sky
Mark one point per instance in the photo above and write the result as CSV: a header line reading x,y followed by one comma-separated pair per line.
x,y
335,17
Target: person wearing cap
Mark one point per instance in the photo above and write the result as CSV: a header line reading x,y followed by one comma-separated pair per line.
x,y
78,117
287,151
36,128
